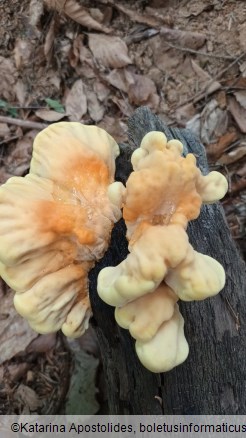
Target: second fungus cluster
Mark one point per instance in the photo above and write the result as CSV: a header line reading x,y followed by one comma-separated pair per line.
x,y
163,193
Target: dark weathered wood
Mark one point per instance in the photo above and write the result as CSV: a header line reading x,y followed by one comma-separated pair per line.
x,y
213,378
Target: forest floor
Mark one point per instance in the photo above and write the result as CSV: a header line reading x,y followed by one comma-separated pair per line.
x,y
95,62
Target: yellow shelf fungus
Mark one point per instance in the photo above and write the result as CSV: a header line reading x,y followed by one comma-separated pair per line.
x,y
144,316
56,222
163,193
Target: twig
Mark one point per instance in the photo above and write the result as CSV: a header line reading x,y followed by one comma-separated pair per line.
x,y
23,123
8,140
196,52
199,96
27,107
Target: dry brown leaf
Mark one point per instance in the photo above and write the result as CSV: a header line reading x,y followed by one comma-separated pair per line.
x,y
109,51
4,130
85,71
241,97
221,99
107,15
42,343
79,53
117,78
49,115
233,156
194,125
95,109
21,92
238,113
185,113
76,102
166,61
49,39
87,61
213,122
121,79
22,52
85,55
160,15
143,92
15,333
101,90
78,13
236,83
123,106
81,59
210,89
17,162
215,150
8,77
164,57
222,123
52,78
195,8
199,71
74,53
28,398
194,78
97,14
115,127
154,21
187,39
14,371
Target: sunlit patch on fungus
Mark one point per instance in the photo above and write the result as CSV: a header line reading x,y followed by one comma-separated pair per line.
x,y
55,223
163,193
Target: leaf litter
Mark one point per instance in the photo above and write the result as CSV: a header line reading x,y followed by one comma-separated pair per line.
x,y
95,62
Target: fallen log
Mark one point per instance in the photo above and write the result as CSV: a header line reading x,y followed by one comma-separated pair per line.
x,y
213,378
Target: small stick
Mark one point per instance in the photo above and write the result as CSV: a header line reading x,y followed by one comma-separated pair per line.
x,y
196,52
23,123
199,96
8,140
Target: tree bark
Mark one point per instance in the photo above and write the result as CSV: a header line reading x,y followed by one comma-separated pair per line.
x,y
213,378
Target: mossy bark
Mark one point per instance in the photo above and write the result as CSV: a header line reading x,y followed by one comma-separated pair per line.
x,y
213,378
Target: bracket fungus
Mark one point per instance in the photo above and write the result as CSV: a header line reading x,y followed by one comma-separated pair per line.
x,y
163,193
56,222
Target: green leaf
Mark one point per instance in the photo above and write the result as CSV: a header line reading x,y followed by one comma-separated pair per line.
x,y
12,111
55,105
3,104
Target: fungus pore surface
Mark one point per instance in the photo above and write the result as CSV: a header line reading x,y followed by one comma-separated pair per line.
x,y
163,193
56,222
